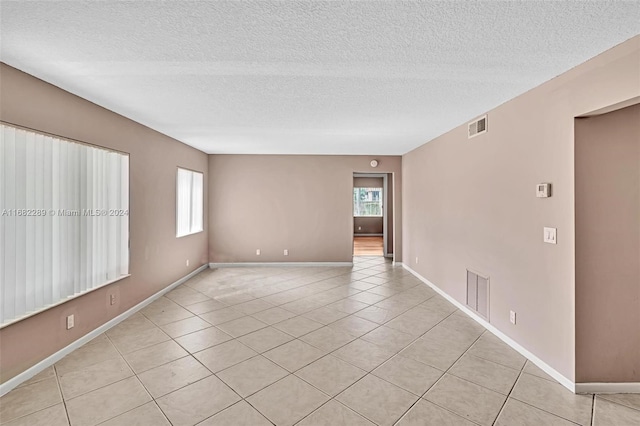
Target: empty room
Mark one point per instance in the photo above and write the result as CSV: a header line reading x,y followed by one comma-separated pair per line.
x,y
319,213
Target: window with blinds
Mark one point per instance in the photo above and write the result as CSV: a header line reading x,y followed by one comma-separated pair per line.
x,y
64,224
189,202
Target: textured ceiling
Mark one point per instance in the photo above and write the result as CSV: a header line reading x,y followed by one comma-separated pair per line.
x,y
312,77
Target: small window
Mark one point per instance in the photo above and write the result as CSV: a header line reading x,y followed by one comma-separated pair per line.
x,y
367,201
189,202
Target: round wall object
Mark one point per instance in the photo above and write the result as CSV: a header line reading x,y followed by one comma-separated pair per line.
x,y
374,163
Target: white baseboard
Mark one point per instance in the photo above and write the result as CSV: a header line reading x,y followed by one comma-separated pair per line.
x,y
607,387
506,339
276,264
52,359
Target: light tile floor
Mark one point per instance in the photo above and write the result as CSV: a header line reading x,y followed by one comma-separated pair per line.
x,y
310,346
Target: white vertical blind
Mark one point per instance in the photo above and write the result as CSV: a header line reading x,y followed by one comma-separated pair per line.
x,y
64,224
189,202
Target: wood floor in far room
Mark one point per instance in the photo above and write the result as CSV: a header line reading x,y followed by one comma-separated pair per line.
x,y
367,246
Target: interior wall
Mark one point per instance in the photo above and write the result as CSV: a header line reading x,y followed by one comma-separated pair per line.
x,y
295,202
607,162
390,215
368,225
154,263
471,203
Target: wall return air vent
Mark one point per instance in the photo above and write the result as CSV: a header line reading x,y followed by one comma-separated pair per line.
x,y
478,127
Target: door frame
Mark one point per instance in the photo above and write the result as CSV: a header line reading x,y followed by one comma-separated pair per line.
x,y
384,176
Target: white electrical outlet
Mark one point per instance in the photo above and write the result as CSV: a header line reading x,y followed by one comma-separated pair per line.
x,y
286,252
417,260
112,299
70,322
187,262
359,228
257,252
512,317
550,235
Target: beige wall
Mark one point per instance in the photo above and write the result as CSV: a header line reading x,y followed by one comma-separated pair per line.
x,y
29,102
277,202
367,182
470,203
607,161
367,225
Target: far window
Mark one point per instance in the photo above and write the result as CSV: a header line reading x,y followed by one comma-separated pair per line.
x,y
189,209
367,201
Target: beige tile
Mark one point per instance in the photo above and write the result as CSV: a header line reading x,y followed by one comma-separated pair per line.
x,y
225,355
473,402
330,374
425,413
55,415
131,342
241,326
410,375
463,324
607,413
363,354
553,398
389,338
265,339
294,355
47,373
287,401
354,325
185,326
196,402
132,325
485,373
146,415
185,296
436,353
239,414
325,315
86,356
29,399
377,400
334,414
410,325
376,314
531,368
77,382
631,400
348,306
251,375
154,356
107,402
203,339
298,326
327,339
273,315
519,413
221,316
253,306
172,376
491,348
235,298
167,315
206,306
367,297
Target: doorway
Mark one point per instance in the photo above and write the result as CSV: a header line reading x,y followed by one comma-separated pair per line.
x,y
370,214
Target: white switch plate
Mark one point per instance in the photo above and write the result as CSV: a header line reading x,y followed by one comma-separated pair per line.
x,y
187,262
286,252
417,260
550,235
512,317
70,322
257,252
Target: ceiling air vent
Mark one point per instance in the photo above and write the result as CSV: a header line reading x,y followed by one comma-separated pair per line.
x,y
478,127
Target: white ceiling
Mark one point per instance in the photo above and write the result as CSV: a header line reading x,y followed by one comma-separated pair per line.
x,y
306,77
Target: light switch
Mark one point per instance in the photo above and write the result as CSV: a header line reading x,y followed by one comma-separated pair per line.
x,y
550,235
